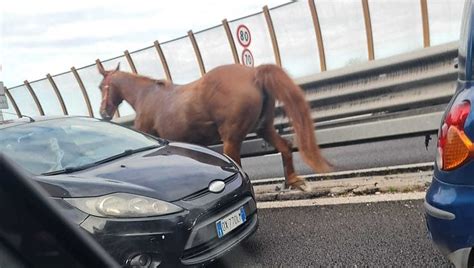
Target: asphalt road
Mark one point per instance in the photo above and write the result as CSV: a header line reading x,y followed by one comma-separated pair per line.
x,y
360,156
375,235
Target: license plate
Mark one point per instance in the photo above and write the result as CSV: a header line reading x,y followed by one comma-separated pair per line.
x,y
230,222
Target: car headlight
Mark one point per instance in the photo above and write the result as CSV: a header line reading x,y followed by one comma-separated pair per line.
x,y
122,205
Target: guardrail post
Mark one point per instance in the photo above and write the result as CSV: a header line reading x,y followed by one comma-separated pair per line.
x,y
197,52
368,29
58,94
13,102
84,91
225,23
426,23
35,98
271,30
319,36
130,61
163,61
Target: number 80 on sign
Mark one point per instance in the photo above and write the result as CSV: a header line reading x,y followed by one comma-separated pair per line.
x,y
243,35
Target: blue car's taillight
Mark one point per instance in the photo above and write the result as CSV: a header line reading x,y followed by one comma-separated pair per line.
x,y
454,147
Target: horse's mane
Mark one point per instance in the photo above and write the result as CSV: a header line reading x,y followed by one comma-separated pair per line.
x,y
160,82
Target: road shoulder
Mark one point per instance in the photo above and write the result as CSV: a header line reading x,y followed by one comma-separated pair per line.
x,y
408,184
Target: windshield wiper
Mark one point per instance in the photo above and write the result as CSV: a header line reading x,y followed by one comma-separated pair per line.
x,y
69,170
102,161
146,148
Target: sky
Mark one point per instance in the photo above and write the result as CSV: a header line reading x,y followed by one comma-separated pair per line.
x,y
51,36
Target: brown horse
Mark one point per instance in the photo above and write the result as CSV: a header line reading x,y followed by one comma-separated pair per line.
x,y
224,105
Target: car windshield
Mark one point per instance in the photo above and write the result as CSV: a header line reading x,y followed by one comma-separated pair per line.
x,y
58,144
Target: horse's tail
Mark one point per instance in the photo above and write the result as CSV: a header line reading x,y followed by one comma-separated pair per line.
x,y
277,83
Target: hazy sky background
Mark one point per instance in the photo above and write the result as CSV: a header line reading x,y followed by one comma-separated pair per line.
x,y
48,36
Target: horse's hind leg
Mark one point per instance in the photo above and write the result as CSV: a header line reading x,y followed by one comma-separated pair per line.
x,y
284,146
268,133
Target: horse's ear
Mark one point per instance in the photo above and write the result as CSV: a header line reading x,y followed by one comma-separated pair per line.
x,y
101,68
118,67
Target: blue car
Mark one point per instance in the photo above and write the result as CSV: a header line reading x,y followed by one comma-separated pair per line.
x,y
449,202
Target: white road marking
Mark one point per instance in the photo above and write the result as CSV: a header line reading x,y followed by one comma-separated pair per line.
x,y
342,200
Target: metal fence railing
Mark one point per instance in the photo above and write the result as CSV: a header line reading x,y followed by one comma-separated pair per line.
x,y
305,37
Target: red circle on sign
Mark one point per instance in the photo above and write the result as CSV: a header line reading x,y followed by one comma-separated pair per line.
x,y
247,58
243,35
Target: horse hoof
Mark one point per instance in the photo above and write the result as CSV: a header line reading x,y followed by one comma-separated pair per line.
x,y
283,188
305,187
301,185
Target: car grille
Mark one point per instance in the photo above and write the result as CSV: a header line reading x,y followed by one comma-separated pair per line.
x,y
216,242
204,240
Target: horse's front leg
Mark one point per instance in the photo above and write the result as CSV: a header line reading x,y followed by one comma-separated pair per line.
x,y
232,149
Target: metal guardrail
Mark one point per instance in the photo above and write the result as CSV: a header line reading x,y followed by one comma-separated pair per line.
x,y
398,96
412,80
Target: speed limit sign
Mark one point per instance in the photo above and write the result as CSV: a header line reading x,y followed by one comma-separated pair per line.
x,y
243,35
247,58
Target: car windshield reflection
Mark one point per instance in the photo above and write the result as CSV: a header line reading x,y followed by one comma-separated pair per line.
x,y
56,145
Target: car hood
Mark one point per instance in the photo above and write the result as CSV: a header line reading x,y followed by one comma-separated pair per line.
x,y
169,173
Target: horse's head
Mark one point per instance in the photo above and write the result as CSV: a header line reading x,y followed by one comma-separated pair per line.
x,y
111,97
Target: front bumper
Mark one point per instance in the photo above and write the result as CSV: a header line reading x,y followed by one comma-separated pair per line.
x,y
450,220
181,239
203,244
